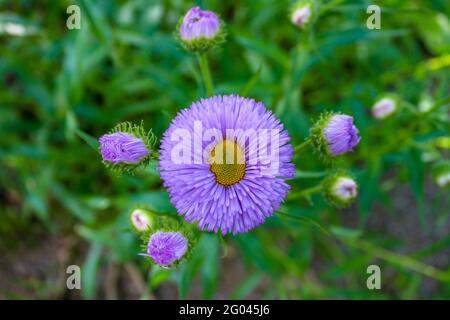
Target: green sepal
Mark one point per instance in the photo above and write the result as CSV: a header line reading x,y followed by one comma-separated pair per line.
x,y
317,137
169,224
139,132
203,44
328,185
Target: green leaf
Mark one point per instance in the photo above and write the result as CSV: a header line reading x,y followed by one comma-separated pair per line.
x,y
249,284
345,232
416,179
250,83
89,272
210,267
92,142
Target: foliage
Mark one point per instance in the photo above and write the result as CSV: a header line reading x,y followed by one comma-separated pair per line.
x,y
62,88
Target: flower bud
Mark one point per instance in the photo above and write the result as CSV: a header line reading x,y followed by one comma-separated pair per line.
x,y
441,174
141,219
302,13
384,107
200,30
167,242
127,147
165,248
340,189
122,147
334,134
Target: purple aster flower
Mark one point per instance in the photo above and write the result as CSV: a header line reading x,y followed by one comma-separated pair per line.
x,y
340,134
166,247
198,24
122,147
230,175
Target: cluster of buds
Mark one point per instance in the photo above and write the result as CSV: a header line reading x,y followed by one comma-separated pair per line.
x,y
333,135
166,241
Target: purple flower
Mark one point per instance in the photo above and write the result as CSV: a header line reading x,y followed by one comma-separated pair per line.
x,y
340,134
166,247
122,147
198,24
233,177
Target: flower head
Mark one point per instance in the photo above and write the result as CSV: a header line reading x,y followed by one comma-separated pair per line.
x,y
126,147
200,30
141,219
340,189
384,107
335,134
234,175
165,248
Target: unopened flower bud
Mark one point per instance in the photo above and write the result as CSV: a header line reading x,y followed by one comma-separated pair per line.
x,y
302,13
141,219
384,107
127,147
340,189
334,134
441,174
200,30
165,248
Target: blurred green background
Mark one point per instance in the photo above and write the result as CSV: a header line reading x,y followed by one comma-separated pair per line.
x,y
59,205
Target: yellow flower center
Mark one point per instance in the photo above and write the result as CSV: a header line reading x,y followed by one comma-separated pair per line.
x,y
227,162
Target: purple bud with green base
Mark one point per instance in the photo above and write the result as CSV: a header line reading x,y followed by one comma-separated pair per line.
x,y
334,135
200,30
165,248
122,147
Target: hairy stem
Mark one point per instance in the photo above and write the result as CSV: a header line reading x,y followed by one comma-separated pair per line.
x,y
204,68
302,145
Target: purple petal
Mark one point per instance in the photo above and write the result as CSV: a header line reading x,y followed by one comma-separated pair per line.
x,y
341,135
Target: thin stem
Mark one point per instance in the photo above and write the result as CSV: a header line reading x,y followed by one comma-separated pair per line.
x,y
306,192
303,219
302,145
204,68
400,260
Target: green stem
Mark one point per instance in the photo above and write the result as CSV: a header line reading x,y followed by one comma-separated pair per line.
x,y
303,219
400,260
443,102
306,192
302,145
204,68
